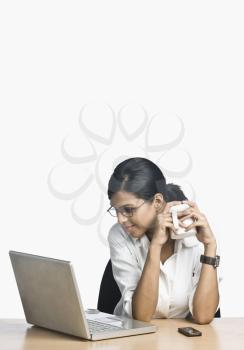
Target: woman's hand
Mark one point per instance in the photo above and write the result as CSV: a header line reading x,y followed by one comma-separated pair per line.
x,y
163,224
200,223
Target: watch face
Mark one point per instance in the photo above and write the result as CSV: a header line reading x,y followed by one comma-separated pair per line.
x,y
217,260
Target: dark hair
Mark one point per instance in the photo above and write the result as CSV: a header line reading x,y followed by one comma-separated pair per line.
x,y
144,179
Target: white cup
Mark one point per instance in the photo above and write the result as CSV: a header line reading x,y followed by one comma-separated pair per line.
x,y
181,231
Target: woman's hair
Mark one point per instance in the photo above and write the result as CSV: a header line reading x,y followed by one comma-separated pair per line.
x,y
144,179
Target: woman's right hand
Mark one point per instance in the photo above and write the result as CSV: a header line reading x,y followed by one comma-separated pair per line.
x,y
163,224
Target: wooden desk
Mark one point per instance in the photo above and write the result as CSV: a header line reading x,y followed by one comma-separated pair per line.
x,y
224,333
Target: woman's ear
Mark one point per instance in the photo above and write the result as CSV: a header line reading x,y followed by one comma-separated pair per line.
x,y
159,202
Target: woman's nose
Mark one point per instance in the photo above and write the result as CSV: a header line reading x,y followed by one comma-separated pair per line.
x,y
121,218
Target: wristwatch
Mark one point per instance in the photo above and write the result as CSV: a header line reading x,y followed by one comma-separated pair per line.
x,y
210,260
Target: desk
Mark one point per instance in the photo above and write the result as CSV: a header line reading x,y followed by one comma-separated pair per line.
x,y
223,333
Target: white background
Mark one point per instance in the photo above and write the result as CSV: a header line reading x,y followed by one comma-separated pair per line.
x,y
185,57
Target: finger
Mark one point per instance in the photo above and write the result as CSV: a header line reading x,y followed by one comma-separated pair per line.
x,y
162,219
193,216
195,224
170,225
168,222
190,203
169,229
164,215
171,204
188,217
185,212
166,219
188,212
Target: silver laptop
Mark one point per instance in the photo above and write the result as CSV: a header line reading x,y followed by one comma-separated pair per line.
x,y
51,299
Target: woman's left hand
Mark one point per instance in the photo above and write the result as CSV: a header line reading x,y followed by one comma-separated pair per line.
x,y
200,223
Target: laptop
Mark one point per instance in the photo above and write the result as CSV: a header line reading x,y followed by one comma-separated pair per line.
x,y
50,299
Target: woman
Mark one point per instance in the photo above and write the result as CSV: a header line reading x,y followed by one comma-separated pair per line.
x,y
159,277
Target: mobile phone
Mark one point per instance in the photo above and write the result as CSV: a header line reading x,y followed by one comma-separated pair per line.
x,y
189,331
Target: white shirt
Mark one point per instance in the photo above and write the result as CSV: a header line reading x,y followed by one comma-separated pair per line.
x,y
179,275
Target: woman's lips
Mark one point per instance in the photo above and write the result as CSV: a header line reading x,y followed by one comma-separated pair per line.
x,y
128,227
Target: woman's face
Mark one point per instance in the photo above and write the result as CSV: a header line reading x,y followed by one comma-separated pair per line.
x,y
142,219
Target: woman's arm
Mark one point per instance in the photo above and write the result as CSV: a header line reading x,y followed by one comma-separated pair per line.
x,y
206,297
145,297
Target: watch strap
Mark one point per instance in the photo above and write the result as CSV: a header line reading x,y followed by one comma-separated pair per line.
x,y
214,261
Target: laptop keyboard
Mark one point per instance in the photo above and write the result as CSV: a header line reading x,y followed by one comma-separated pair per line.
x,y
95,326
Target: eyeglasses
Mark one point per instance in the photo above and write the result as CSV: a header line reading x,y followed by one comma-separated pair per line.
x,y
125,211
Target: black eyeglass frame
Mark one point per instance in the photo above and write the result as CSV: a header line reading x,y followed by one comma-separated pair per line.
x,y
133,209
